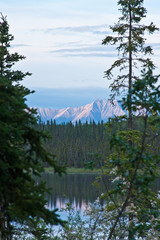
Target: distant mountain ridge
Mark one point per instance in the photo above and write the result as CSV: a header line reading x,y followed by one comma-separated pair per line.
x,y
98,110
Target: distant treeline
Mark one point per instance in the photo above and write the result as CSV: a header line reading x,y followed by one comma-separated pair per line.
x,y
79,145
76,144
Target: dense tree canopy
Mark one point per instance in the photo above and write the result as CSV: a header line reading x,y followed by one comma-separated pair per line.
x,y
21,147
76,144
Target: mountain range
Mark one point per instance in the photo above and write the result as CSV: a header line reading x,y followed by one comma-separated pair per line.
x,y
98,110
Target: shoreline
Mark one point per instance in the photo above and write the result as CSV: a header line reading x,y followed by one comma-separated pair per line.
x,y
76,170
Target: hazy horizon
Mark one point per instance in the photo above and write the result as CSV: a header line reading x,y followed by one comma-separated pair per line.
x,y
65,97
61,40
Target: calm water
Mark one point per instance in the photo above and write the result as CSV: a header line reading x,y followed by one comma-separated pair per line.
x,y
77,189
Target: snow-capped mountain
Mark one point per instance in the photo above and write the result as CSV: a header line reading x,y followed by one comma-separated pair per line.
x,y
97,111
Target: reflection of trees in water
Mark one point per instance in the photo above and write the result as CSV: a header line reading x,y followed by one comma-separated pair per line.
x,y
75,188
156,185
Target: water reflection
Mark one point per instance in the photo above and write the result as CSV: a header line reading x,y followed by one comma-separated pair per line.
x,y
75,188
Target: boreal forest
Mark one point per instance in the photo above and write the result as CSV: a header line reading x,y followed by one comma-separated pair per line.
x,y
125,148
87,145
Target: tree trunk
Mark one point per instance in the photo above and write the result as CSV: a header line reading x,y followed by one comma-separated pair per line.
x,y
130,68
2,222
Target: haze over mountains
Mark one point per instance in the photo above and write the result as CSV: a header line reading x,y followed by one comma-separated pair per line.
x,y
98,110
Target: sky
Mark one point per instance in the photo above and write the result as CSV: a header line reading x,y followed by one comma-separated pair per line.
x,y
61,40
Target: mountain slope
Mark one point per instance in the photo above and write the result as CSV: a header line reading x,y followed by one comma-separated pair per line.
x,y
98,110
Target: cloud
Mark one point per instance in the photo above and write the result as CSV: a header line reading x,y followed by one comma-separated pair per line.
x,y
90,55
154,45
96,29
19,45
80,49
85,45
83,49
87,51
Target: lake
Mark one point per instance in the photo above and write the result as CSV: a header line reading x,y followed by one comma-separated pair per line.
x,y
76,188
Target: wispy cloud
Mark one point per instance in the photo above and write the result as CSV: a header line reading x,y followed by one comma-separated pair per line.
x,y
82,49
155,45
91,55
84,43
20,45
97,29
86,51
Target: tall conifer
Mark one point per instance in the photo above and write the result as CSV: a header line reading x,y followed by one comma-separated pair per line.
x,y
128,36
21,147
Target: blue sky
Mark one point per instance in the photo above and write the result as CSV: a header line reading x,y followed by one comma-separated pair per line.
x,y
61,40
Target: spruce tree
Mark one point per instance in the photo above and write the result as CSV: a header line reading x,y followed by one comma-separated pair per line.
x,y
129,33
21,148
132,165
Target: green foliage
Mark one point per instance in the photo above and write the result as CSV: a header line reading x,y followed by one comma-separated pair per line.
x,y
146,94
132,167
89,226
131,210
80,145
34,229
133,162
87,145
129,33
73,229
21,147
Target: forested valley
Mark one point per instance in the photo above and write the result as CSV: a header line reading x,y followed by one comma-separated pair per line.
x,y
126,148
87,145
75,145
